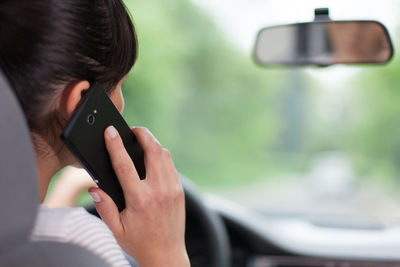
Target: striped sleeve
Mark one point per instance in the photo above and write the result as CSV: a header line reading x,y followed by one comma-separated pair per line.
x,y
90,232
77,226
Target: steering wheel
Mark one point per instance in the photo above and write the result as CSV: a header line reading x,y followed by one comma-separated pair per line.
x,y
207,241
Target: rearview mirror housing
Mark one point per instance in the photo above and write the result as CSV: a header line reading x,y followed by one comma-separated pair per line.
x,y
323,43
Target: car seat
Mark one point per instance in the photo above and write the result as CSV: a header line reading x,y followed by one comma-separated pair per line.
x,y
19,197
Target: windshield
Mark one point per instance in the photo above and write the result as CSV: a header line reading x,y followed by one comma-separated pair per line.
x,y
301,141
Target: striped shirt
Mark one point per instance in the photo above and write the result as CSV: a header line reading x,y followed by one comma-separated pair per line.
x,y
76,226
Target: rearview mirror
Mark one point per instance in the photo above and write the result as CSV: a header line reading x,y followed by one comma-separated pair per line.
x,y
324,43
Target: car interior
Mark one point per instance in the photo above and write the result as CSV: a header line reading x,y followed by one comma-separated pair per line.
x,y
219,233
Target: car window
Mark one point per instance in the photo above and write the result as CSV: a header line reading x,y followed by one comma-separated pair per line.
x,y
290,141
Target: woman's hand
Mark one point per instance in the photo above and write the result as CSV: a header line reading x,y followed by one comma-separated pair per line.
x,y
152,225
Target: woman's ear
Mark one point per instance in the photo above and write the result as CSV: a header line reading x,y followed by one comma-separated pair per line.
x,y
71,96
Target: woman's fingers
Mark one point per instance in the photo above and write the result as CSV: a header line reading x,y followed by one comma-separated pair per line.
x,y
107,210
121,162
158,161
170,169
160,169
154,218
169,165
153,152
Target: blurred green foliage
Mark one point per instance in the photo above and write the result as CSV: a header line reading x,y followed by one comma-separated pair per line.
x,y
227,121
201,96
374,141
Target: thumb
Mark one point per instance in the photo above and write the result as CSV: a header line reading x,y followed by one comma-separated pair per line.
x,y
107,210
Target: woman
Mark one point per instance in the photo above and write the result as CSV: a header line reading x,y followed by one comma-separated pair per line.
x,y
50,50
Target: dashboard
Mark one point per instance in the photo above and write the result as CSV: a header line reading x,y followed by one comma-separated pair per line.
x,y
240,237
259,240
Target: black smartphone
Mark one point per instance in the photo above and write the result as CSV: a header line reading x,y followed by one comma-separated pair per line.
x,y
84,136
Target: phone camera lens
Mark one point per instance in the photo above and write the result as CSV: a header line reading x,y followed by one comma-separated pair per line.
x,y
90,119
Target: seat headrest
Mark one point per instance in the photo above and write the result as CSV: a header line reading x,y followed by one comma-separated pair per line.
x,y
39,254
19,197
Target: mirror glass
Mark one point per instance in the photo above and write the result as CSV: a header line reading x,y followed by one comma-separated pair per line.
x,y
324,43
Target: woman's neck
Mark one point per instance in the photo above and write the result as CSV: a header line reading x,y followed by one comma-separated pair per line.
x,y
48,164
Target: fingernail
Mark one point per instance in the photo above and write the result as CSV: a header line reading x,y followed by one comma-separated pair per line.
x,y
111,132
96,198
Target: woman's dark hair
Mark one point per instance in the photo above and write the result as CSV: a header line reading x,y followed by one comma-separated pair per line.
x,y
46,44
